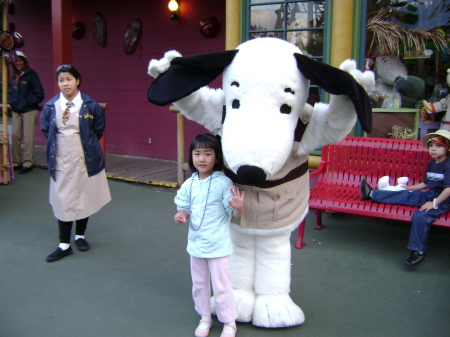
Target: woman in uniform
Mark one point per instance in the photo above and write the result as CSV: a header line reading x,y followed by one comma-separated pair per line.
x,y
73,124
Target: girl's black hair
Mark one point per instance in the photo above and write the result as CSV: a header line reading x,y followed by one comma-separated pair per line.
x,y
67,68
207,141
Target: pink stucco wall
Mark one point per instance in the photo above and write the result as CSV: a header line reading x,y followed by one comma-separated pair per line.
x,y
109,75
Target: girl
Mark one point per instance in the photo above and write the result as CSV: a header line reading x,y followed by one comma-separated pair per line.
x,y
73,124
432,202
210,200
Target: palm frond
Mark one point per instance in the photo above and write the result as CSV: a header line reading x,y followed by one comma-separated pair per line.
x,y
384,37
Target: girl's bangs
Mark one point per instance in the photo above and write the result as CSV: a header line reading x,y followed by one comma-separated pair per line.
x,y
204,144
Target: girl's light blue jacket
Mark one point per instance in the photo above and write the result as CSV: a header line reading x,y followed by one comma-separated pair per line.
x,y
212,239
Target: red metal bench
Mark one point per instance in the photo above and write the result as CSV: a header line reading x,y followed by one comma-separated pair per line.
x,y
344,163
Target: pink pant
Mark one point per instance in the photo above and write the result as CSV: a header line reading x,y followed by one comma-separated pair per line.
x,y
219,268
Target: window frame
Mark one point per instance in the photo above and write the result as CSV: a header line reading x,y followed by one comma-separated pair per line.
x,y
245,24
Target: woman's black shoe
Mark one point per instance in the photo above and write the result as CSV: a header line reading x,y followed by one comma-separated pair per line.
x,y
58,254
82,245
26,169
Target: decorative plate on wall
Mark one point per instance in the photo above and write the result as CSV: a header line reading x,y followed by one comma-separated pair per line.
x,y
18,40
100,29
6,41
132,36
210,26
10,56
78,30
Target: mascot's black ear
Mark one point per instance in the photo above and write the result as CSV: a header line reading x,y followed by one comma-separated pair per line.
x,y
188,74
338,82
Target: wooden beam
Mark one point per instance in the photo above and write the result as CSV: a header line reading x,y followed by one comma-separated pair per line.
x,y
341,31
4,161
232,23
62,34
181,148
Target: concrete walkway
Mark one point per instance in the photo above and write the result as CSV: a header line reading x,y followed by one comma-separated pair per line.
x,y
135,281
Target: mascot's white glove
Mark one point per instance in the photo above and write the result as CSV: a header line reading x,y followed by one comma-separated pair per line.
x,y
157,67
334,121
366,79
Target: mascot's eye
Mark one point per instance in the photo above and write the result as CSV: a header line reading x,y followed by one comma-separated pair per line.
x,y
289,90
285,109
235,83
236,104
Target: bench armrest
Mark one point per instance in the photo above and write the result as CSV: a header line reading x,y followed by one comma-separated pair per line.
x,y
318,171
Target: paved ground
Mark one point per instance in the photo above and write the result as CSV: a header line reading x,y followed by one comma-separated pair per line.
x,y
135,281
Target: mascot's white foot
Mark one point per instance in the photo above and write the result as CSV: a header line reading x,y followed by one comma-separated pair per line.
x,y
245,301
276,311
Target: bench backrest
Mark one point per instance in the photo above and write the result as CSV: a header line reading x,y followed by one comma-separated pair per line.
x,y
351,159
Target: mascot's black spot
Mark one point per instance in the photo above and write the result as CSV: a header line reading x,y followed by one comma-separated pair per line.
x,y
285,109
235,83
236,104
289,90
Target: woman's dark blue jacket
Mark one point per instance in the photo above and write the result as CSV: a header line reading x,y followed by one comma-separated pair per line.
x,y
28,94
92,125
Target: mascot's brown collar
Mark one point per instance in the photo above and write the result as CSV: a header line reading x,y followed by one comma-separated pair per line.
x,y
292,175
295,173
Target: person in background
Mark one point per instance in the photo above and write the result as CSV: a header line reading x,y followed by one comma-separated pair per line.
x,y
432,196
25,94
73,124
443,106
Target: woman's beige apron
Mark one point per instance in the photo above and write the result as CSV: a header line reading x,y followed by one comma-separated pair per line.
x,y
74,195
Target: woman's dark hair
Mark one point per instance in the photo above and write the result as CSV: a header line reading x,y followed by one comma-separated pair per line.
x,y
26,67
67,68
207,141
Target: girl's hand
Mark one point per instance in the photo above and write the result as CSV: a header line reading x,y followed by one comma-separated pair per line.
x,y
180,217
426,206
237,201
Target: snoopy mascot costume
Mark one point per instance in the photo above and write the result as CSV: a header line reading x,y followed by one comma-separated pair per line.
x,y
267,132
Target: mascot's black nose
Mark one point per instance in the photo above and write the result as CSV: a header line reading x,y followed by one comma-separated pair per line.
x,y
251,175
